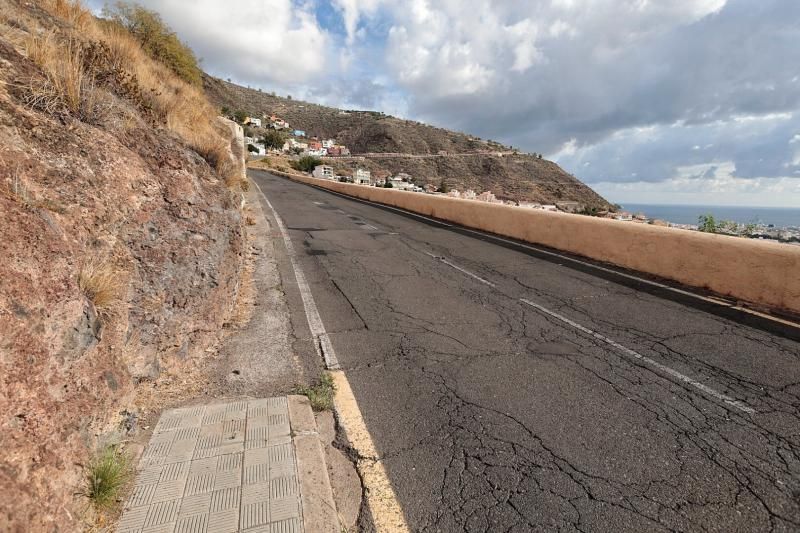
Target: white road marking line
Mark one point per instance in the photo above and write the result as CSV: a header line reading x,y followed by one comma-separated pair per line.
x,y
709,299
321,342
319,203
367,202
462,270
635,355
387,515
370,226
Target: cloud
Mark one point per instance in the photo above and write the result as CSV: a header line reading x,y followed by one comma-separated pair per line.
x,y
618,91
277,43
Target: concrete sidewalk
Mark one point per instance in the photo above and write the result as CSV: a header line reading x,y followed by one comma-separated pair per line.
x,y
249,465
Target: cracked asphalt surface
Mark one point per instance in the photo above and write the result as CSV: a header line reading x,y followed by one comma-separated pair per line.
x,y
491,415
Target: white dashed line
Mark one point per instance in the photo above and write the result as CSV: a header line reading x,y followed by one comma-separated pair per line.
x,y
655,364
462,270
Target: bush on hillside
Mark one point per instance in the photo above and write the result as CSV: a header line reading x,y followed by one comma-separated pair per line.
x,y
156,38
306,163
274,139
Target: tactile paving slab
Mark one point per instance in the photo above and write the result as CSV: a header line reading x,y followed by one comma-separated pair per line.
x,y
218,468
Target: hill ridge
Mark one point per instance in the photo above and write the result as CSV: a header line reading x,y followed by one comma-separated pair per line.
x,y
433,155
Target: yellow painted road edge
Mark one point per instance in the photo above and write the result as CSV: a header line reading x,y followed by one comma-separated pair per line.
x,y
387,516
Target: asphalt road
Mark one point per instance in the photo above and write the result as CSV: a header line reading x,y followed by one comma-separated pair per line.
x,y
508,391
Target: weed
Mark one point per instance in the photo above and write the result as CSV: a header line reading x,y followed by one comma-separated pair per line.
x,y
102,285
320,394
106,475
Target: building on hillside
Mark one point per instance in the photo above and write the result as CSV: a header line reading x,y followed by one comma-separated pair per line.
x,y
299,133
323,172
317,152
328,143
314,145
362,177
402,182
487,196
252,121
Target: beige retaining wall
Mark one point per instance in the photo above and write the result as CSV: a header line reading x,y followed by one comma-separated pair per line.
x,y
758,272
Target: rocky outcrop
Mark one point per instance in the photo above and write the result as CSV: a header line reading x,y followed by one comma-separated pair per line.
x,y
119,261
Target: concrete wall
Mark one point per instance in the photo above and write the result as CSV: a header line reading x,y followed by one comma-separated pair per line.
x,y
759,272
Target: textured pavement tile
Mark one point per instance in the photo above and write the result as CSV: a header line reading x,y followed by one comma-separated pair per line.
x,y
132,519
225,467
192,524
224,521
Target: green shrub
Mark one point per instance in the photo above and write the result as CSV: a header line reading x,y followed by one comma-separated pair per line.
x,y
306,163
707,223
157,39
106,475
320,395
274,139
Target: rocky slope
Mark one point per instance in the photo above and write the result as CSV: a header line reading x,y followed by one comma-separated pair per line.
x,y
121,253
512,176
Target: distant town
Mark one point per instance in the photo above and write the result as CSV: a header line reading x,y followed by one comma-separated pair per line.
x,y
273,136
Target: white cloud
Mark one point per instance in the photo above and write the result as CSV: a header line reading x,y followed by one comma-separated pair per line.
x,y
352,12
277,42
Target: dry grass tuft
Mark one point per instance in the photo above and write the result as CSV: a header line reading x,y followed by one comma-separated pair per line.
x,y
71,12
106,475
73,80
62,64
102,285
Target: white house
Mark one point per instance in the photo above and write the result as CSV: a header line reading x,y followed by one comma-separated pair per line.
x,y
254,122
362,177
328,143
322,152
323,172
402,182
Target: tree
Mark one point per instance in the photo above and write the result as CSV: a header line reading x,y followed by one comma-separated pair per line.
x,y
306,163
707,224
156,38
388,184
251,148
239,116
274,139
443,187
225,111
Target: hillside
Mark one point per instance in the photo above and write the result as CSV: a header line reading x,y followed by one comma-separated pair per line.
x,y
121,250
512,176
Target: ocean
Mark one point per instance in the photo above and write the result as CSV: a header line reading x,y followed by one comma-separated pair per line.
x,y
687,214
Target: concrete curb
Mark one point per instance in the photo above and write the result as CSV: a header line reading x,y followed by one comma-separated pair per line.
x,y
319,509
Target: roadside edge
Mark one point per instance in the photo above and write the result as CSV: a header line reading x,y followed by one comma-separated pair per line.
x,y
316,494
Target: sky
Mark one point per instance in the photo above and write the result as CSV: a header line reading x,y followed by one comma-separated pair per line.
x,y
647,101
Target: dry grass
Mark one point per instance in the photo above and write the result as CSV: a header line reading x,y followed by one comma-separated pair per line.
x,y
183,108
102,285
64,83
71,12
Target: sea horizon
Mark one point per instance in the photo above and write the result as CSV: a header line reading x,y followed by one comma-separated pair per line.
x,y
689,213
